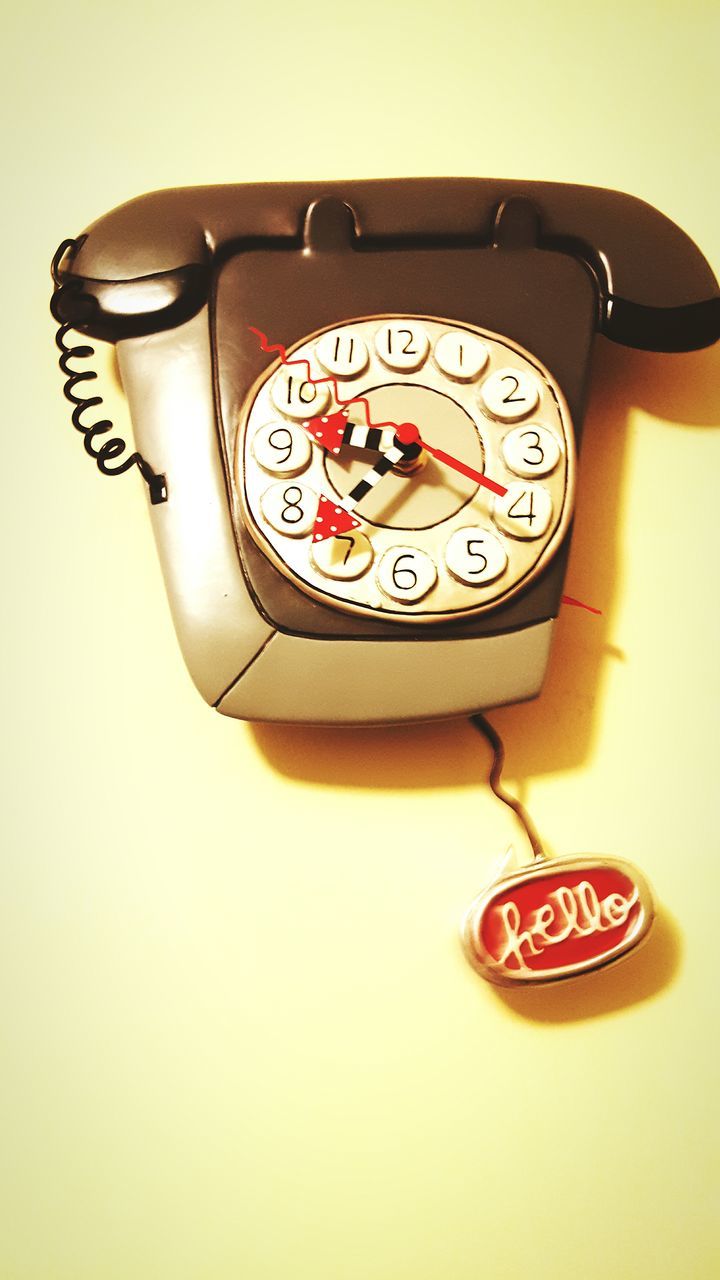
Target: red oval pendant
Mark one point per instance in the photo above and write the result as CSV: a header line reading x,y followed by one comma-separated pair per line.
x,y
557,919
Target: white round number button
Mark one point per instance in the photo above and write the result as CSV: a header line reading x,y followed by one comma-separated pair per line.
x,y
525,511
510,394
402,344
347,556
342,354
531,451
460,355
406,574
281,449
475,556
296,396
290,508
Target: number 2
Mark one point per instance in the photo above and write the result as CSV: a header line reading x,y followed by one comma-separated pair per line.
x,y
511,398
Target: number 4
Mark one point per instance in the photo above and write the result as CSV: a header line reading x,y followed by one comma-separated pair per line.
x,y
528,515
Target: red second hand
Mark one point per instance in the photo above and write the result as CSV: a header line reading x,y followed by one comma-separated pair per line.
x,y
407,433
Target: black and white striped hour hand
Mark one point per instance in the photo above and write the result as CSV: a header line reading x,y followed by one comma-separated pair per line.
x,y
333,430
378,439
334,518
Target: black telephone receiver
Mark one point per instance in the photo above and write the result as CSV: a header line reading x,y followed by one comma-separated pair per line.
x,y
357,407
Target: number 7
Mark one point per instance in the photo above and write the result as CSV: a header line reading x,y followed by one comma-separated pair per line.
x,y
341,537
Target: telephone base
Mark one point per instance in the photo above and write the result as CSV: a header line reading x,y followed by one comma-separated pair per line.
x,y
355,683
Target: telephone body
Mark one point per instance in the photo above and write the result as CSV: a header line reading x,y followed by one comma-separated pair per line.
x,y
247,316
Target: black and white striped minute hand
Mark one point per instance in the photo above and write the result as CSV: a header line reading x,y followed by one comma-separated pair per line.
x,y
334,518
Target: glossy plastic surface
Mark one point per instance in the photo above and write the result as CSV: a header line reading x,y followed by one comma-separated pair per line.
x,y
655,289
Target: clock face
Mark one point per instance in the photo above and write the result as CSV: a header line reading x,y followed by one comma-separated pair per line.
x,y
407,466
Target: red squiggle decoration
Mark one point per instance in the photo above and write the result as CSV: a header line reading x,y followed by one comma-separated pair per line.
x,y
269,347
277,346
580,604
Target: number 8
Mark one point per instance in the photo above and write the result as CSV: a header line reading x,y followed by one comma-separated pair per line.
x,y
293,504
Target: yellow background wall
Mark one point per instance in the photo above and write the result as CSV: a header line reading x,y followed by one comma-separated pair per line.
x,y
239,1038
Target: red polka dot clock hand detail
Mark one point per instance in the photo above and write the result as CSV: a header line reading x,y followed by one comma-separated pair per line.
x,y
333,430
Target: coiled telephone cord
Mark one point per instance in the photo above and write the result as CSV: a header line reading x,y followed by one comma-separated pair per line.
x,y
103,452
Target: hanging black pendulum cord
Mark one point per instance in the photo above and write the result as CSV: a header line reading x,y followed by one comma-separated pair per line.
x,y
493,737
114,446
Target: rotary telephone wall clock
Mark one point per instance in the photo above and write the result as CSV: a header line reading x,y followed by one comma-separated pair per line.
x,y
358,408
272,340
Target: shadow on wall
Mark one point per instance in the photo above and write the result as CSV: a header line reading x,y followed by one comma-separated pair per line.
x,y
633,981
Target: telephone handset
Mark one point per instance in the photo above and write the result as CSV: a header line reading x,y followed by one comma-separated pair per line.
x,y
357,406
